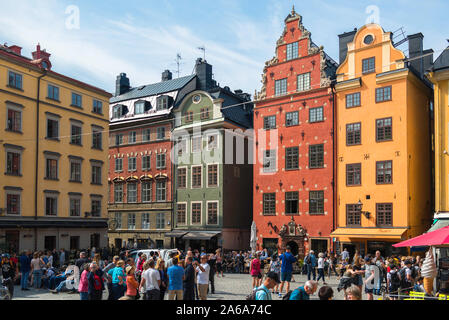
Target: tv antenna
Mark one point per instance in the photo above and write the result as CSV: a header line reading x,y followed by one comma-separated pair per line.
x,y
178,62
203,48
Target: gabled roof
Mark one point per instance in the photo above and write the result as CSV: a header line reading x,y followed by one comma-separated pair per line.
x,y
442,62
232,107
154,89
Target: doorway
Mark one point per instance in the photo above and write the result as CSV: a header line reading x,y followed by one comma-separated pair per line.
x,y
293,246
12,241
95,240
74,243
50,242
319,245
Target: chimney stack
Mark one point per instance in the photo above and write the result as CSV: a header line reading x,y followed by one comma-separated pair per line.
x,y
166,75
121,84
203,70
415,49
344,39
16,49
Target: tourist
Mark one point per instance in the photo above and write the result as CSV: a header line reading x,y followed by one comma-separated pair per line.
x,y
369,277
263,292
189,280
219,262
36,269
131,284
108,274
255,271
275,266
96,283
344,254
311,262
24,269
304,292
152,281
83,287
353,293
287,260
203,270
160,267
212,264
175,281
326,293
393,280
321,268
118,280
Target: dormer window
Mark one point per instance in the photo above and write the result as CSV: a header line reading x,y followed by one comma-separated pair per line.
x,y
163,102
119,111
141,107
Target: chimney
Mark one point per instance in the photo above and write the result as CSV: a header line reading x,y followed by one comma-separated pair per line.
x,y
16,49
166,75
344,39
121,84
415,49
40,54
203,70
428,59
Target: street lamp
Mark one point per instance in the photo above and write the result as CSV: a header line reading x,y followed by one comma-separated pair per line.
x,y
359,208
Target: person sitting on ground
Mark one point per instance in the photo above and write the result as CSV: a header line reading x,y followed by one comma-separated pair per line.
x,y
325,293
304,292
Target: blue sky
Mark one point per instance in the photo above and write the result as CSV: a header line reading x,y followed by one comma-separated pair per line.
x,y
142,37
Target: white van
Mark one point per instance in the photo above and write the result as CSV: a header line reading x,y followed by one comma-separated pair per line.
x,y
163,253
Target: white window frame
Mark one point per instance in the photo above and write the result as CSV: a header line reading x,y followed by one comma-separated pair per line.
x,y
134,135
131,214
158,214
115,164
218,212
164,193
123,193
147,215
165,161
151,191
216,135
191,213
143,161
119,215
128,192
218,175
135,164
301,79
201,144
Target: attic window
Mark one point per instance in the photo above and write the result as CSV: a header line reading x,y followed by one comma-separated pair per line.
x,y
141,106
163,102
119,111
140,88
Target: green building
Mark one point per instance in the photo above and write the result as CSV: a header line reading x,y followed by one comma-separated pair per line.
x,y
213,166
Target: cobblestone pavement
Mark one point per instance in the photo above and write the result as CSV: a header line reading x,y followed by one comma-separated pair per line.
x,y
231,287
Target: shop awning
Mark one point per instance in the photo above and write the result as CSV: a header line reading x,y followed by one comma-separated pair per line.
x,y
440,223
200,235
175,233
372,233
434,238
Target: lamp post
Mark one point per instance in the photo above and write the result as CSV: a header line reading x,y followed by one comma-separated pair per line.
x,y
359,208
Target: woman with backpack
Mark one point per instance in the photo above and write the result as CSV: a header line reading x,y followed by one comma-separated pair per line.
x,y
96,283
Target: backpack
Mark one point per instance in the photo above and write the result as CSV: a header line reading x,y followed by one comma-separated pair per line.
x,y
395,281
252,295
287,295
404,282
307,260
97,283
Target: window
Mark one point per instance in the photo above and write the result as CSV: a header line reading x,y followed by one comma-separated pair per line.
x,y
384,172
146,162
95,207
197,144
14,122
352,215
304,81
316,156
212,175
132,164
13,203
354,174
212,213
75,170
51,206
189,116
51,171
52,128
196,213
292,50
316,114
97,107
96,174
52,92
269,204
196,177
14,80
181,146
161,133
119,111
131,221
145,221
182,178
353,100
269,161
280,87
316,202
75,137
118,165
291,119
75,207
118,219
146,135
160,221
269,122
118,139
132,137
132,192
291,202
384,214
292,158
383,94
160,161
160,191
212,142
76,100
204,113
353,134
146,191
13,163
139,107
181,214
96,139
384,129
162,103
118,192
369,65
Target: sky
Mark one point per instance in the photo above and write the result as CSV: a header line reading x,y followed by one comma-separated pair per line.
x,y
94,41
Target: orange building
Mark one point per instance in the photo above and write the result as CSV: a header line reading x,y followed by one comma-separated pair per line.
x,y
383,141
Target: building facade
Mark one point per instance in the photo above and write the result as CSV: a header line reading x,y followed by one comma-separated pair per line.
x,y
439,75
53,190
213,173
293,122
140,161
383,141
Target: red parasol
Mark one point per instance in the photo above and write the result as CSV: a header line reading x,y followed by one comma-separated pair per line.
x,y
434,238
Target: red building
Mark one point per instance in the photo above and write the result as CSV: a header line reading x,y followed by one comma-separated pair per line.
x,y
293,123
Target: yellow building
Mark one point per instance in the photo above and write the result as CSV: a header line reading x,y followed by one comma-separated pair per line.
x,y
439,76
383,141
53,156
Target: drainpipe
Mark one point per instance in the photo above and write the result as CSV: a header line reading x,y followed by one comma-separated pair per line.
x,y
334,171
36,173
